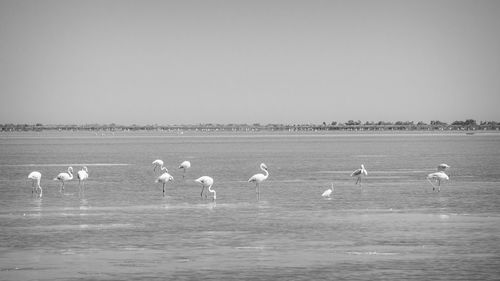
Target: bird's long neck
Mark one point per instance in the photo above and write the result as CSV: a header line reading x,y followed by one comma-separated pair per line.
x,y
70,174
265,171
212,191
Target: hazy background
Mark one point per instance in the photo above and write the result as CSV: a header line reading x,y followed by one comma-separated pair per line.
x,y
173,62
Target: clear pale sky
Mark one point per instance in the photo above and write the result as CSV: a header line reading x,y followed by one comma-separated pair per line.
x,y
189,62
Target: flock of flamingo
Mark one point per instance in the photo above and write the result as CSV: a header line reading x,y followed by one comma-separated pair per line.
x,y
36,177
207,182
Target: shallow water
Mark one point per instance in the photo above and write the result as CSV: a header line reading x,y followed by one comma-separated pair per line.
x,y
121,228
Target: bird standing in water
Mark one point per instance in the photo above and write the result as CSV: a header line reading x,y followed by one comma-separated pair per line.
x,y
157,164
63,177
164,178
82,175
35,178
206,181
437,176
359,173
185,165
259,178
328,192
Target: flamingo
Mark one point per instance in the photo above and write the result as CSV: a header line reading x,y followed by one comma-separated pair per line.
x,y
442,167
35,177
185,165
359,173
438,176
157,164
64,177
259,178
164,178
206,181
82,175
328,192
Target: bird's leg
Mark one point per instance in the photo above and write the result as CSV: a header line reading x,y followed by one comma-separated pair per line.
x,y
433,186
163,189
201,194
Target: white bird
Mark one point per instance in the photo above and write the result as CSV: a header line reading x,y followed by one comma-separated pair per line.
x,y
63,177
443,167
259,178
164,178
437,176
35,178
359,173
82,175
157,164
206,181
328,192
185,165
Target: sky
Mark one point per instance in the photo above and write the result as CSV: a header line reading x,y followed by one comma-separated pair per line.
x,y
273,61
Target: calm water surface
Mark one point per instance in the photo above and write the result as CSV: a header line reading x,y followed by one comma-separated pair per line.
x,y
394,227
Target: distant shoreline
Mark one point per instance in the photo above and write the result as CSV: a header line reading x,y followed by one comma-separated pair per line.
x,y
470,128
102,134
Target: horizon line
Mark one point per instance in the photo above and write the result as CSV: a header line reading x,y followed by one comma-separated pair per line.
x,y
354,122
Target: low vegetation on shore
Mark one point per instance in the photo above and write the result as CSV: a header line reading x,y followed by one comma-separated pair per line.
x,y
351,125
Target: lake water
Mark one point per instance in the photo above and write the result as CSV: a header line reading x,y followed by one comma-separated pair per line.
x,y
394,227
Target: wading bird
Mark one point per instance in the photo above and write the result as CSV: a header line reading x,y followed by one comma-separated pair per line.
x,y
328,192
82,175
437,176
359,173
185,165
164,178
206,181
157,164
63,177
35,178
258,178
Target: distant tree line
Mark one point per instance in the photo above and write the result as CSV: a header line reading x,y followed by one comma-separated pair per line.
x,y
350,125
